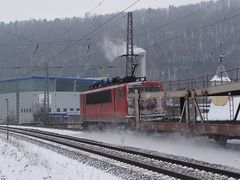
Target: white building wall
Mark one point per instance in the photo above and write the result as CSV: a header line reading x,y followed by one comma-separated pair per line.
x,y
29,101
65,100
11,104
26,101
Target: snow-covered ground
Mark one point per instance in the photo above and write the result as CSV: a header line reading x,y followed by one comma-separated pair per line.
x,y
21,160
199,148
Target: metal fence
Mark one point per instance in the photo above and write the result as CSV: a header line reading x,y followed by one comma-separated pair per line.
x,y
203,81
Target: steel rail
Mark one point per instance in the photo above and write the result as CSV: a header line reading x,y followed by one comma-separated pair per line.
x,y
135,152
52,138
147,155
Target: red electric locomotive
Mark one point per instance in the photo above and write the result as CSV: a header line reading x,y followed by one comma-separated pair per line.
x,y
111,103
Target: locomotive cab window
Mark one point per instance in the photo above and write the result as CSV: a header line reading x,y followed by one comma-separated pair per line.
x,y
145,89
139,88
120,93
152,88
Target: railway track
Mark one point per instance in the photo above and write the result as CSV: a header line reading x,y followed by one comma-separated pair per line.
x,y
163,165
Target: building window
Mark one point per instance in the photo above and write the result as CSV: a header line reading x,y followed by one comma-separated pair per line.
x,y
64,85
30,110
58,109
82,86
78,109
71,109
24,110
27,110
21,110
64,109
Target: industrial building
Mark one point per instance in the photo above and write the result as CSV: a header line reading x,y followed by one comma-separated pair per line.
x,y
22,98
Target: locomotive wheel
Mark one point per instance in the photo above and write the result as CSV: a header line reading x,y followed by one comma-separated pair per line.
x,y
221,140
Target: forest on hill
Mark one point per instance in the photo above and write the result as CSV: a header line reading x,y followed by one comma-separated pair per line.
x,y
180,42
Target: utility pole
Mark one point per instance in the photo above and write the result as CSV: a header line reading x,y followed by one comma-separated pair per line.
x,y
6,100
46,97
130,57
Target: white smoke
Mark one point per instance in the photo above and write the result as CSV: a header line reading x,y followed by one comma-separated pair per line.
x,y
114,49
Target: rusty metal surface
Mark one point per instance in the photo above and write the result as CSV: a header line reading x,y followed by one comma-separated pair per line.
x,y
199,128
165,126
217,129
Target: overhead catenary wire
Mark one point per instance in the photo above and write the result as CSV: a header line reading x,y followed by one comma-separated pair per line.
x,y
41,68
72,26
59,67
36,44
93,30
176,37
74,40
163,25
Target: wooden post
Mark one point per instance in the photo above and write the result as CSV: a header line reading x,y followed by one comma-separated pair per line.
x,y
194,113
6,100
182,109
198,109
137,112
237,112
187,110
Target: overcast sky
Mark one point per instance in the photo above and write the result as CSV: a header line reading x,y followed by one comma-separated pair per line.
x,y
11,10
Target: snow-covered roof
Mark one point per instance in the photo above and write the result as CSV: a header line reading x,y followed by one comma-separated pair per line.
x,y
221,74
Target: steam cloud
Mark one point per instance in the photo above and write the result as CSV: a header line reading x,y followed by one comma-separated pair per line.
x,y
114,49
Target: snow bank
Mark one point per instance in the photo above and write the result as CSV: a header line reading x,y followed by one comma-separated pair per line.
x,y
22,160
